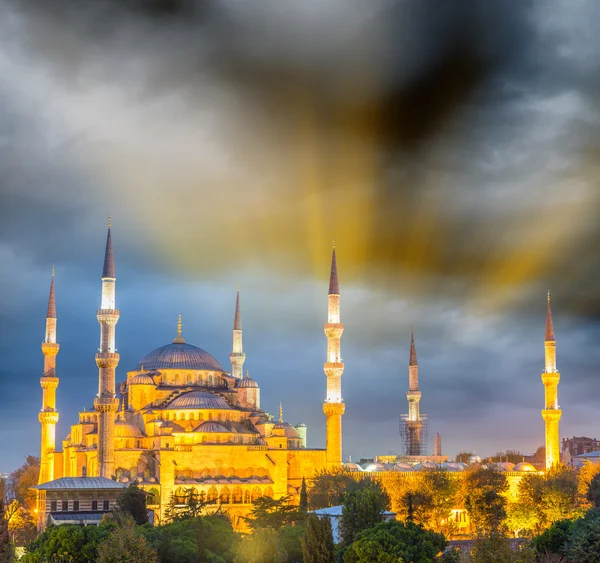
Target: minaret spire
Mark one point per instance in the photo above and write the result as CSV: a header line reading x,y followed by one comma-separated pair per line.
x,y
413,351
334,406
280,412
48,416
179,339
107,360
550,378
414,423
237,355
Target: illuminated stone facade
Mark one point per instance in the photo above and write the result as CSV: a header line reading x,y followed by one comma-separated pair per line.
x,y
180,420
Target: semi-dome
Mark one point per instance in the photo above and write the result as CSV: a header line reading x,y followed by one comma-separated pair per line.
x,y
124,429
179,355
289,431
198,400
140,379
524,466
504,466
210,426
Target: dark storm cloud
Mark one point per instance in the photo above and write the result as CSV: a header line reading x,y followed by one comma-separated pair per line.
x,y
451,147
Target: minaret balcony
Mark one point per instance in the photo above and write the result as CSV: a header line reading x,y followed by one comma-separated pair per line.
x,y
106,404
50,348
48,417
333,331
550,378
551,415
333,369
334,409
108,316
48,382
107,359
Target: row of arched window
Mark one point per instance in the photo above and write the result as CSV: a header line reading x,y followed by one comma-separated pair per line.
x,y
208,380
192,415
225,495
226,472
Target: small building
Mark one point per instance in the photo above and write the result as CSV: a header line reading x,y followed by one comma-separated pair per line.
x,y
334,514
76,500
590,457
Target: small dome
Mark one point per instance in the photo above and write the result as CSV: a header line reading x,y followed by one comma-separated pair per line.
x,y
524,466
289,431
198,400
375,467
210,426
352,467
474,459
166,424
425,465
124,429
451,466
246,383
401,466
140,379
179,355
505,466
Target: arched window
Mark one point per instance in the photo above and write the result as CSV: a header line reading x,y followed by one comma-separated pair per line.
x,y
225,494
219,416
268,492
119,473
202,496
210,416
237,496
247,497
256,493
201,416
153,496
212,495
189,378
179,495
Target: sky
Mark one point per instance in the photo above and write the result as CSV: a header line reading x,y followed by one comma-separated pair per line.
x,y
450,148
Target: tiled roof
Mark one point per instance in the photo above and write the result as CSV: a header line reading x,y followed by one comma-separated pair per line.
x,y
71,483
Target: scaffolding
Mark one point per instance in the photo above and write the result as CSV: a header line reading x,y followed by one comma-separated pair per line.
x,y
413,435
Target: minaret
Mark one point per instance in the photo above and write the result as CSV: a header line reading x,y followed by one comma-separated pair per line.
x,y
334,407
550,378
437,445
107,360
237,356
48,416
414,422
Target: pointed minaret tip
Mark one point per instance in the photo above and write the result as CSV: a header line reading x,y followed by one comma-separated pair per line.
x,y
109,261
334,285
280,413
237,319
179,339
51,300
413,351
549,323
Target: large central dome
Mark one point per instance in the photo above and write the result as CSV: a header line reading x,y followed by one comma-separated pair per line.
x,y
179,355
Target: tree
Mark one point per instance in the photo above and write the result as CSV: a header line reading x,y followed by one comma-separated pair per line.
x,y
390,542
21,524
553,495
290,540
583,545
124,544
593,492
132,501
67,542
512,456
362,509
260,547
20,481
7,551
521,518
188,505
482,495
303,497
330,485
496,548
272,513
554,539
463,457
317,543
584,479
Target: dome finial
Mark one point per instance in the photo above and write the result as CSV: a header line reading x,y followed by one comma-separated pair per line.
x,y
178,339
280,413
109,221
247,374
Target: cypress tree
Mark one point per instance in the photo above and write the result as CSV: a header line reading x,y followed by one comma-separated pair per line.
x,y
317,543
303,497
6,545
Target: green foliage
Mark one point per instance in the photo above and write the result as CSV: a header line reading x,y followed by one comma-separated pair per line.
x,y
496,548
482,493
187,506
554,538
191,540
553,495
7,550
521,518
20,481
262,546
430,500
593,492
273,513
21,525
317,543
330,485
67,543
290,539
125,544
463,457
451,556
362,509
132,501
512,456
391,542
303,497
583,545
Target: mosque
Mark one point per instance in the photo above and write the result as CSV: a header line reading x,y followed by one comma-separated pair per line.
x,y
180,420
